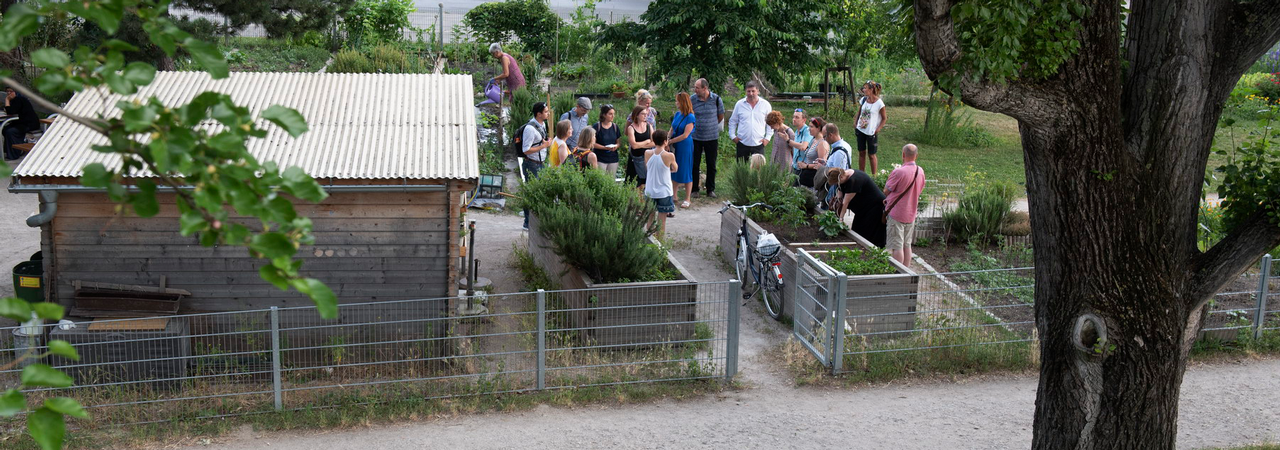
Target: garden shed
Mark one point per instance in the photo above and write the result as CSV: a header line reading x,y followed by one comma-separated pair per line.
x,y
395,152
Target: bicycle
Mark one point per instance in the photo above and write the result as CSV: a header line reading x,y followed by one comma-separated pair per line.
x,y
761,262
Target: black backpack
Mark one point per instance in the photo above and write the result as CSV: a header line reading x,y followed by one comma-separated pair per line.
x,y
848,162
517,143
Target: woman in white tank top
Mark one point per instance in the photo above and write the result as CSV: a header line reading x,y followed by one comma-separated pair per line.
x,y
659,163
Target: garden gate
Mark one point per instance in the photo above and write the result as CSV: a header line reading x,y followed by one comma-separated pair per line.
x,y
819,297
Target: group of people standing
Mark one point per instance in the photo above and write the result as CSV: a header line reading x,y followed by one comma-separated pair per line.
x,y
665,163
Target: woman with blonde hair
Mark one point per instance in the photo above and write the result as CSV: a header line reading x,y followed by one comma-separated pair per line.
x,y
560,148
682,145
582,156
645,99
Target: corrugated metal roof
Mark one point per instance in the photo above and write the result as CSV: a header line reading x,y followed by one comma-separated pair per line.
x,y
362,126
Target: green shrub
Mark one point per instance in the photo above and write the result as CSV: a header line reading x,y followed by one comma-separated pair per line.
x,y
980,213
595,224
350,61
830,224
741,179
946,126
531,21
870,261
521,111
772,186
371,22
1269,87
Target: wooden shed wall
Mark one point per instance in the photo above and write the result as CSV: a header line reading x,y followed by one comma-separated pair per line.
x,y
370,246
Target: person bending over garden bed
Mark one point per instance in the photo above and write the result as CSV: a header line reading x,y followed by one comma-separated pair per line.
x,y
858,191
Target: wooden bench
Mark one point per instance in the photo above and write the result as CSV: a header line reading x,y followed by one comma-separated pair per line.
x,y
24,148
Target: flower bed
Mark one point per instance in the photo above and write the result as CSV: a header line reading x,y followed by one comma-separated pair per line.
x,y
865,294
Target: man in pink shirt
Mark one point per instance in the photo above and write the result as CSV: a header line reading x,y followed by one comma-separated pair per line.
x,y
901,198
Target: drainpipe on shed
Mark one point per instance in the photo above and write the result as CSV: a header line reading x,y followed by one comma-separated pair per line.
x,y
48,207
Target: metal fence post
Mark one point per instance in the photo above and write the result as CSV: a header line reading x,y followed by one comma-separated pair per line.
x,y
731,330
275,357
837,326
542,339
1260,317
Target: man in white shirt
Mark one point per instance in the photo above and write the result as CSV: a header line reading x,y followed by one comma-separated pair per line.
x,y
746,124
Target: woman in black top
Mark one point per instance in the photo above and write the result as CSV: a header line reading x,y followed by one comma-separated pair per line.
x,y
606,145
639,138
859,193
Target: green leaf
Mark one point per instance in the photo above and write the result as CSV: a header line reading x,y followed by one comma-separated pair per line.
x,y
119,45
47,428
302,185
50,58
139,73
271,274
144,202
119,84
326,302
67,406
209,57
96,175
191,222
41,375
288,118
12,402
47,310
52,82
15,308
19,21
63,349
272,245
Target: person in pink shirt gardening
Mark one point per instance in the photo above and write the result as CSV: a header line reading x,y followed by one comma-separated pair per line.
x,y
902,198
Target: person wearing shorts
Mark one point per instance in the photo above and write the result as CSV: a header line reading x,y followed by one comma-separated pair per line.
x,y
902,199
871,118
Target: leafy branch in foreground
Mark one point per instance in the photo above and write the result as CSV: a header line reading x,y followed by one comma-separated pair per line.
x,y
196,150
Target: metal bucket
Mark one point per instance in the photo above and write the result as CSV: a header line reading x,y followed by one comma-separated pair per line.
x,y
23,342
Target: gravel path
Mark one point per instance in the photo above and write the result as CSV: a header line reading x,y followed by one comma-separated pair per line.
x,y
1224,404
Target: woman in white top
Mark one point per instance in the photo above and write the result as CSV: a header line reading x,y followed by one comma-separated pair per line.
x,y
871,119
659,163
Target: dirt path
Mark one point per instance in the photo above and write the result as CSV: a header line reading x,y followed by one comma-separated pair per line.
x,y
1222,405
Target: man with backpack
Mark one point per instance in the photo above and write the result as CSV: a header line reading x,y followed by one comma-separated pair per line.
x,y
838,158
530,142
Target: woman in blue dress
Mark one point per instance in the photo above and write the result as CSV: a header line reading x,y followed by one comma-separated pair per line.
x,y
681,130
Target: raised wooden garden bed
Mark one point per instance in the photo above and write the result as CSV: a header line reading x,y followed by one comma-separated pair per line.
x,y
645,313
891,294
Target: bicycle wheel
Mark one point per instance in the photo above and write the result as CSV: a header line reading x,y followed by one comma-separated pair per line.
x,y
740,264
770,292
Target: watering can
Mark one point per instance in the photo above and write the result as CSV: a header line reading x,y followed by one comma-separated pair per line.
x,y
493,92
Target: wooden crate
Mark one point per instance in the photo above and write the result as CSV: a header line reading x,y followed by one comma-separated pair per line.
x,y
642,313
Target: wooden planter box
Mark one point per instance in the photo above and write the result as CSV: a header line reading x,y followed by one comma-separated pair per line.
x,y
892,293
644,314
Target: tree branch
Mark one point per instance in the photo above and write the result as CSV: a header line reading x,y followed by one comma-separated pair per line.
x,y
939,50
1232,255
1246,31
46,104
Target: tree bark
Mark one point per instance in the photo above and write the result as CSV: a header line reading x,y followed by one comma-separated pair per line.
x,y
1115,159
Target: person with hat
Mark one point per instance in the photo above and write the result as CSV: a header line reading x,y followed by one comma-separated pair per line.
x,y
578,118
534,145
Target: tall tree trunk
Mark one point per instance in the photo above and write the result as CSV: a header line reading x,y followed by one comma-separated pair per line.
x,y
1115,148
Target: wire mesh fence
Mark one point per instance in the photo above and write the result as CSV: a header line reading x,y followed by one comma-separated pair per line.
x,y
229,364
983,319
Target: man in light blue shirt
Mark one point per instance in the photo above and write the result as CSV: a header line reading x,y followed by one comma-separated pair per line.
x,y
839,156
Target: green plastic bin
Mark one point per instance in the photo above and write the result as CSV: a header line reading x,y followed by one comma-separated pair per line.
x,y
28,281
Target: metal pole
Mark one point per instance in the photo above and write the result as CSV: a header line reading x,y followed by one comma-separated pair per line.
x,y
441,28
1260,317
542,339
731,341
275,357
837,328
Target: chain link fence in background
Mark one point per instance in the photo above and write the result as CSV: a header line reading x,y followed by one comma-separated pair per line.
x,y
201,366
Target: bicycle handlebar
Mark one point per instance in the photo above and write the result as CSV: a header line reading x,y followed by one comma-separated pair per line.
x,y
728,205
